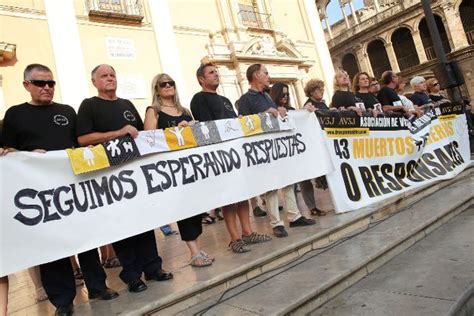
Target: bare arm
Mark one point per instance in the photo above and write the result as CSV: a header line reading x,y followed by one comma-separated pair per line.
x,y
151,119
97,137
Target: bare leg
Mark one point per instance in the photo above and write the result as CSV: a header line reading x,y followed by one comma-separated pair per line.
x,y
243,213
193,246
230,218
3,295
35,276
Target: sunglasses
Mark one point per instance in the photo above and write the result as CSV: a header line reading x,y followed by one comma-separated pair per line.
x,y
43,83
165,83
436,84
285,94
374,84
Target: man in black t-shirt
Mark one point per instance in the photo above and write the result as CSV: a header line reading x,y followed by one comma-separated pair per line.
x,y
387,96
207,105
42,125
101,119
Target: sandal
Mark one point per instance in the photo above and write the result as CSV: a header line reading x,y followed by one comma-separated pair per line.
x,y
255,238
40,295
239,246
111,263
208,220
202,252
317,212
200,261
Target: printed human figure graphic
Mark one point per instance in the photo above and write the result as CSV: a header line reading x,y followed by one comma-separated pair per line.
x,y
128,147
229,127
177,131
205,130
113,148
88,156
249,123
150,138
268,121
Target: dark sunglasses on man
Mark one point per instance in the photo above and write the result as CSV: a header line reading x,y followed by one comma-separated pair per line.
x,y
42,83
165,83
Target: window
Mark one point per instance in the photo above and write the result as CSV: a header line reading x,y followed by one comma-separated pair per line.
x,y
250,16
128,10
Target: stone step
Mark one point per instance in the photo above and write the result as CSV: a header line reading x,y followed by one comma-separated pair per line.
x,y
304,282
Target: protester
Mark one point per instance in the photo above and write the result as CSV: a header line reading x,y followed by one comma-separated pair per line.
x,y
420,96
207,105
166,111
388,97
103,118
256,100
314,90
411,110
374,87
433,88
343,98
360,88
41,125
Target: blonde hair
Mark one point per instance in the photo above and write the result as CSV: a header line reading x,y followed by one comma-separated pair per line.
x,y
336,86
156,100
429,84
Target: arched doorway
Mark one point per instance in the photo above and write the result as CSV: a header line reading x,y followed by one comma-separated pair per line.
x,y
349,64
404,48
466,11
426,37
378,57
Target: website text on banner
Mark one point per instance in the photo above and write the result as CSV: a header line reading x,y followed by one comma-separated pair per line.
x,y
48,213
376,158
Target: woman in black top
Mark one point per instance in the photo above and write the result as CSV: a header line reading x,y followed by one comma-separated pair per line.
x,y
166,111
314,90
433,88
360,88
280,94
343,98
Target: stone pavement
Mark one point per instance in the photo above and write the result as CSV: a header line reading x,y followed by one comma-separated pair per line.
x,y
176,258
424,280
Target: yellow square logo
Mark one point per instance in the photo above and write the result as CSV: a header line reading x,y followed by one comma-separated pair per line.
x,y
180,138
87,159
251,125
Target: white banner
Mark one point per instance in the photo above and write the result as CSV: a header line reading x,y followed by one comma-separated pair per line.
x,y
377,158
48,213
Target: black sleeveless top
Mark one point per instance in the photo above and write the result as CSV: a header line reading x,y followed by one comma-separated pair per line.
x,y
166,120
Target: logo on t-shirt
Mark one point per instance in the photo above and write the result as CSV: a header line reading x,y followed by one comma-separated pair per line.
x,y
228,106
60,120
129,116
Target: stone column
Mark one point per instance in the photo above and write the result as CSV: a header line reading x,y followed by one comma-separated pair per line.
x,y
454,27
420,49
68,57
3,106
363,59
228,21
320,46
345,17
328,26
392,57
377,6
356,21
166,45
300,96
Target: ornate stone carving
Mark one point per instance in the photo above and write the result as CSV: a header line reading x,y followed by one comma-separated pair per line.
x,y
266,47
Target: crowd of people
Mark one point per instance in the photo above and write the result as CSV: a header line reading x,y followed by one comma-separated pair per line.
x,y
30,127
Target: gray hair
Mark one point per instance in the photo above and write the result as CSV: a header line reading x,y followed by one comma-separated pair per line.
x,y
32,67
416,80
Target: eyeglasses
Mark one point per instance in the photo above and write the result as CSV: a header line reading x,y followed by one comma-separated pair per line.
x,y
164,83
43,83
374,84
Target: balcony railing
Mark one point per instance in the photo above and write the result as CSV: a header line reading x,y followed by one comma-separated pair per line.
x,y
470,37
430,51
129,10
256,19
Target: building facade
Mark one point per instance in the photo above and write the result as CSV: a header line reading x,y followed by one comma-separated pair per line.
x,y
142,38
393,34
